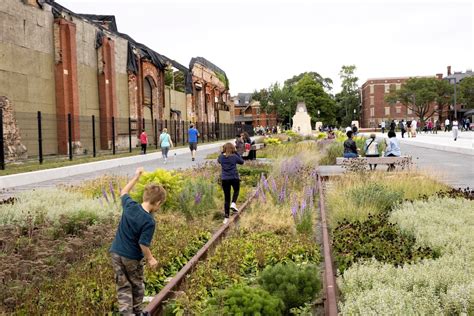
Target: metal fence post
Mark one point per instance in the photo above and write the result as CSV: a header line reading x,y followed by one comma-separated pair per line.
x,y
129,134
94,149
113,135
40,139
182,122
2,148
69,129
175,133
156,134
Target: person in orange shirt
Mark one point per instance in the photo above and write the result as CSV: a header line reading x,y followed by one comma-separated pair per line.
x,y
143,141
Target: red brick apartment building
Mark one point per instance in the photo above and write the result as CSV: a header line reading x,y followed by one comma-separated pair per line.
x,y
249,113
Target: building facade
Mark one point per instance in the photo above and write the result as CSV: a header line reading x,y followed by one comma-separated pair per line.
x,y
80,72
249,114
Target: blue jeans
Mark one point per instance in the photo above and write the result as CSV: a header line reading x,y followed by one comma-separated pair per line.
x,y
350,155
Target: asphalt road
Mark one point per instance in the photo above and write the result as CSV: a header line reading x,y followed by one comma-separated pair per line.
x,y
454,169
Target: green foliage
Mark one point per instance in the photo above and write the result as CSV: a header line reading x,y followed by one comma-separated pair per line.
x,y
315,98
380,197
466,92
348,99
196,197
331,152
324,82
418,94
250,174
244,300
272,141
375,238
170,180
293,284
304,224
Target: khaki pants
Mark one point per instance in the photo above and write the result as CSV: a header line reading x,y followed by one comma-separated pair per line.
x,y
129,282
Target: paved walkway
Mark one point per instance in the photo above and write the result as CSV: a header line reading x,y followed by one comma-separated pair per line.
x,y
178,159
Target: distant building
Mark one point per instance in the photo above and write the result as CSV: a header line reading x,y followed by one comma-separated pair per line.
x,y
249,114
457,77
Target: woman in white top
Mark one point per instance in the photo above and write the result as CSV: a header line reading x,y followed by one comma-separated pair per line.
x,y
455,129
393,148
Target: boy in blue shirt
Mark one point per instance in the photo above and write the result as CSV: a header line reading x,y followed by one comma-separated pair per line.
x,y
132,242
193,134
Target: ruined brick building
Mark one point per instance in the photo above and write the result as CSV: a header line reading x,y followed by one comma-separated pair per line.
x,y
59,62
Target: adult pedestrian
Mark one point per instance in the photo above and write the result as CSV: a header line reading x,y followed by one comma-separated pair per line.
x,y
409,128
446,125
165,144
393,148
228,160
250,154
371,149
193,135
393,125
455,129
414,125
468,124
350,147
382,126
437,126
143,141
239,144
402,128
430,126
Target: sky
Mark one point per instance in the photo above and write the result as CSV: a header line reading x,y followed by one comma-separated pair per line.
x,y
259,42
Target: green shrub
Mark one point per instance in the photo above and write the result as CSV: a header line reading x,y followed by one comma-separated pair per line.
x,y
170,180
197,197
272,141
332,151
293,284
375,238
244,300
380,197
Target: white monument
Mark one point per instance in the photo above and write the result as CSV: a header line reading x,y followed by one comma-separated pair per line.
x,y
302,120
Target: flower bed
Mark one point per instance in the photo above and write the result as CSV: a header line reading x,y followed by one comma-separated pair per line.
x,y
402,245
275,236
54,243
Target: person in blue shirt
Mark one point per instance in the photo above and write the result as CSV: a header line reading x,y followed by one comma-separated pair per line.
x,y
193,135
132,243
228,159
393,148
165,144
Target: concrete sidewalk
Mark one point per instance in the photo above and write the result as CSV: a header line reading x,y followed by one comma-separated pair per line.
x,y
441,141
41,176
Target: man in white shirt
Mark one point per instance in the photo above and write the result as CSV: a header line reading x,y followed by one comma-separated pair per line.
x,y
446,125
382,125
413,128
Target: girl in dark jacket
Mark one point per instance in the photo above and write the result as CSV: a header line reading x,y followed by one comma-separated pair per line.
x,y
229,159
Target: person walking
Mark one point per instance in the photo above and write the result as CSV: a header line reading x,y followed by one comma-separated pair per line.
x,y
143,141
371,149
414,124
393,125
446,125
382,125
402,128
248,142
455,129
132,243
228,159
436,127
392,149
193,135
350,147
165,144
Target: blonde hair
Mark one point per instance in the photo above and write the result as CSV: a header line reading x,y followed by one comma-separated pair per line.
x,y
165,130
154,193
228,149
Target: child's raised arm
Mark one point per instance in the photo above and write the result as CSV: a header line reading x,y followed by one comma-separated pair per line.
x,y
132,182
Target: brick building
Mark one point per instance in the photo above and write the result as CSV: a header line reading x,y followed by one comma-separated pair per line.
x,y
59,62
249,113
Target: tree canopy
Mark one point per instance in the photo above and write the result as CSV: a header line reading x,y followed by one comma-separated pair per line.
x,y
348,99
466,92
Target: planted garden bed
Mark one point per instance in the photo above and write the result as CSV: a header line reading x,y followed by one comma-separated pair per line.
x,y
54,243
403,245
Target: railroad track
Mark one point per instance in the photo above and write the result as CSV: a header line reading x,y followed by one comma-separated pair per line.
x,y
155,307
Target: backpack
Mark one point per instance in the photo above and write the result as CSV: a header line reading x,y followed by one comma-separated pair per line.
x,y
372,148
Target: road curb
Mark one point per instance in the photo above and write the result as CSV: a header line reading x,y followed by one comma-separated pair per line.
x,y
459,150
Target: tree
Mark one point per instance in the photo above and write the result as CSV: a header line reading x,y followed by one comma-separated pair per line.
x,y
276,98
419,95
326,83
445,91
312,93
466,92
348,99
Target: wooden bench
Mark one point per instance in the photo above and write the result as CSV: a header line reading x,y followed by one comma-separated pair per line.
x,y
360,162
257,146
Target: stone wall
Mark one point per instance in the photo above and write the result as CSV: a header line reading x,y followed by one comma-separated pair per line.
x,y
14,149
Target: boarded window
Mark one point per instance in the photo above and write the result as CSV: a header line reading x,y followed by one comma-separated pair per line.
x,y
148,91
371,100
387,110
371,88
372,112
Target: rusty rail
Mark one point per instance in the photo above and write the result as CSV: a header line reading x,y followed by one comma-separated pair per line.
x,y
329,280
155,307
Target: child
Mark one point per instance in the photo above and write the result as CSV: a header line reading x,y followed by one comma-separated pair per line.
x,y
132,242
143,141
230,177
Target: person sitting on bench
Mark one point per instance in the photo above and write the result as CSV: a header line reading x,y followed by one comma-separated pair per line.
x,y
350,147
371,149
392,149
